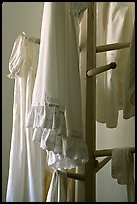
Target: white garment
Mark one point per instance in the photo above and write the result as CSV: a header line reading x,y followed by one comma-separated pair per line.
x,y
55,113
58,187
129,89
27,161
122,169
115,21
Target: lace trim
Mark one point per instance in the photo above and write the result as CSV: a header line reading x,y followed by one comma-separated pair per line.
x,y
46,116
75,153
50,130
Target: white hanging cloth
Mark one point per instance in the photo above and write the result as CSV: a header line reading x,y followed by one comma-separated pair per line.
x,y
115,22
55,113
27,161
129,83
122,169
58,187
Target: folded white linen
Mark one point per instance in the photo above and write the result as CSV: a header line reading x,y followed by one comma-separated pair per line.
x,y
122,169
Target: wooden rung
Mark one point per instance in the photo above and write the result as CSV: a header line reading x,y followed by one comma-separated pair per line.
x,y
76,176
101,69
102,163
101,48
107,152
114,46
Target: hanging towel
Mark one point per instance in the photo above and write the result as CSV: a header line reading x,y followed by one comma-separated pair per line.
x,y
55,113
27,160
58,187
122,169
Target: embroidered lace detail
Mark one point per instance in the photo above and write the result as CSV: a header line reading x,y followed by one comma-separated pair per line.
x,y
65,151
75,153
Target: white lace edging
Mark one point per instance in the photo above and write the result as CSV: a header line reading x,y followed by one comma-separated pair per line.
x,y
49,125
75,153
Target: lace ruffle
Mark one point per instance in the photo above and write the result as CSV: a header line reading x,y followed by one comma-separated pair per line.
x,y
46,116
75,153
64,151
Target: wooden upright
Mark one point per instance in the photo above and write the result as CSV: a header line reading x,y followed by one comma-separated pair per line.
x,y
88,62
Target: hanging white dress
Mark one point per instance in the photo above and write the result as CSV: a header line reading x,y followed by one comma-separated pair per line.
x,y
55,113
27,160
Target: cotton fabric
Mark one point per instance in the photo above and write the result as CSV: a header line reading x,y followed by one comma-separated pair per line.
x,y
55,113
27,160
115,22
122,169
129,87
58,187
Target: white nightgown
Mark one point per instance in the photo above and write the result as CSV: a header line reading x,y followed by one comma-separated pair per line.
x,y
55,113
27,160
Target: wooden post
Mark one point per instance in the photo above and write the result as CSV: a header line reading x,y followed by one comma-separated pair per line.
x,y
88,61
